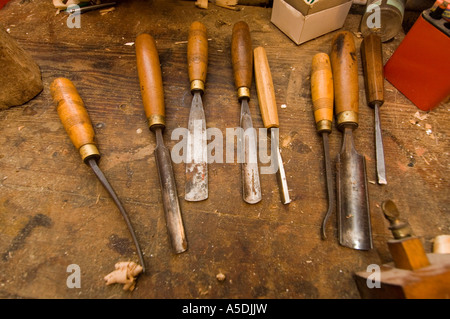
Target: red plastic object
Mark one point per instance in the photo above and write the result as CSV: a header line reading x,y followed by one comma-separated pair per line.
x,y
419,68
3,2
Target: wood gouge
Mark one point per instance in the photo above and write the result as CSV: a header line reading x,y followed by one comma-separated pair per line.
x,y
150,79
196,185
351,181
76,122
372,60
242,60
322,94
269,113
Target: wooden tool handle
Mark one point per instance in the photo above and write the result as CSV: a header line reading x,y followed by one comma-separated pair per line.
x,y
264,87
372,60
197,53
242,58
150,79
74,117
322,92
345,78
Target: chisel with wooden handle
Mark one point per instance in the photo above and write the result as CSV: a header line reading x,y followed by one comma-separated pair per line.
x,y
196,185
76,121
372,60
269,113
351,180
150,79
322,94
242,60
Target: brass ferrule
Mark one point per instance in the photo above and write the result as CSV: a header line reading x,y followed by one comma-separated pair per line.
x,y
324,126
197,85
347,118
156,119
89,150
243,91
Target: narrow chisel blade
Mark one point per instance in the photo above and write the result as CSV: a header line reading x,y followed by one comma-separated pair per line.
x,y
196,188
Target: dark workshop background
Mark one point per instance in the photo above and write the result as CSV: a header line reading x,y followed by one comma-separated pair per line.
x,y
54,212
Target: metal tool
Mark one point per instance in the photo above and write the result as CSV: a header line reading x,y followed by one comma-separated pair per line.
x,y
322,94
400,229
351,182
78,126
242,59
269,113
196,186
152,92
77,9
372,60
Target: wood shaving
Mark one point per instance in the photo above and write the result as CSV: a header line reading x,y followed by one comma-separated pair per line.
x,y
125,273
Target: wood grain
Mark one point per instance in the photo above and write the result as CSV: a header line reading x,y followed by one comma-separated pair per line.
x,y
242,55
197,52
372,61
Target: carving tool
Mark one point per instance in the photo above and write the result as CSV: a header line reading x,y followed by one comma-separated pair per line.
x,y
322,94
78,126
352,191
269,113
150,79
242,59
196,185
372,60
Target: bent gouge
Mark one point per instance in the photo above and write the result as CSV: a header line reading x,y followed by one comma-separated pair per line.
x,y
269,113
242,60
76,122
150,79
352,192
322,94
372,60
196,185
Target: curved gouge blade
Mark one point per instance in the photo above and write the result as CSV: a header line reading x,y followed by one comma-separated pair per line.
x,y
251,187
78,126
352,191
196,184
196,187
150,79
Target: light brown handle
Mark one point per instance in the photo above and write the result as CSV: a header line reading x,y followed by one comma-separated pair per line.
x,y
197,53
264,87
242,58
74,117
150,79
372,61
345,78
322,92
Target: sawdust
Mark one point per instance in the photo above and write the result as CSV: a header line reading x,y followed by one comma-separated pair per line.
x,y
125,273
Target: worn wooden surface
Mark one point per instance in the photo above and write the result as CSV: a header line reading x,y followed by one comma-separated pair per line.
x,y
54,212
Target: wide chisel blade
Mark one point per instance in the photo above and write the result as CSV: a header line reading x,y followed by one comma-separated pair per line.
x,y
196,159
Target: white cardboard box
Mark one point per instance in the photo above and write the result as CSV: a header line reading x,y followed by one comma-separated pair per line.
x,y
300,28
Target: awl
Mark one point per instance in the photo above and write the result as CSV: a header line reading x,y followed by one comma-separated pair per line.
x,y
269,113
150,79
372,60
76,121
351,180
196,185
322,94
242,60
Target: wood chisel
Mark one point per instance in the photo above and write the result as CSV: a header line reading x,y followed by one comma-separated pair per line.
x,y
196,185
76,121
150,79
351,180
242,60
269,113
322,94
372,60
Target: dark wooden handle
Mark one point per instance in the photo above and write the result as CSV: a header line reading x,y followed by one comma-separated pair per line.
x,y
265,90
74,117
197,53
345,78
242,55
150,79
372,61
322,91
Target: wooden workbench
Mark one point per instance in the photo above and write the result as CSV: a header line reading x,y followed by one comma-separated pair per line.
x,y
54,212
